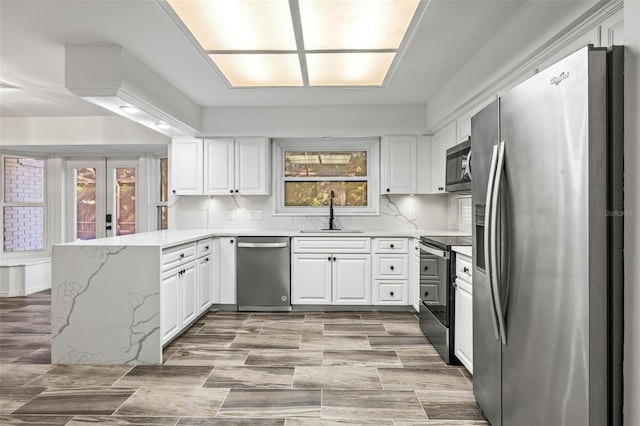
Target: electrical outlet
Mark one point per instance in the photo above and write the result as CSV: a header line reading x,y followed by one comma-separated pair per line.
x,y
255,214
412,214
232,214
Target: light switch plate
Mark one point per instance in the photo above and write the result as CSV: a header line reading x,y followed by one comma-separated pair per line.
x,y
255,214
232,214
412,214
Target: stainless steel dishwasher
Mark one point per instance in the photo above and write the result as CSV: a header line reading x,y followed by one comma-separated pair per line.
x,y
263,274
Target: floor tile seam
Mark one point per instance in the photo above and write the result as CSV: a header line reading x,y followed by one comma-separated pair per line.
x,y
31,399
121,377
421,405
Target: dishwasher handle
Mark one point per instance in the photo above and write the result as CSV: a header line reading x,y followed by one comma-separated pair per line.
x,y
263,245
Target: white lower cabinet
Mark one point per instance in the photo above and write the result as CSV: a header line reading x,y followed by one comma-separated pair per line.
x,y
189,286
390,292
351,276
169,313
335,271
311,279
205,283
463,321
391,271
227,265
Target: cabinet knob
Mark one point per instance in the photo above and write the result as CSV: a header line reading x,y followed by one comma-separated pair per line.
x,y
231,241
391,267
426,268
231,191
206,247
329,258
334,259
426,293
391,245
388,190
181,255
440,188
390,293
237,191
465,270
206,260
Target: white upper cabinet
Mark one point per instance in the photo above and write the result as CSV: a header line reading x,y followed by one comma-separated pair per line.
x,y
220,166
186,166
220,161
398,165
237,166
442,140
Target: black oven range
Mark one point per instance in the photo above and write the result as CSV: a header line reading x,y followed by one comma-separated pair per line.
x,y
437,275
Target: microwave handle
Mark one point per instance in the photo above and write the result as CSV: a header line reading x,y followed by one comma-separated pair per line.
x,y
469,164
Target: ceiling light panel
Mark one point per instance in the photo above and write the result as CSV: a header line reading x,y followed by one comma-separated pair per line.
x,y
355,24
348,69
238,24
260,70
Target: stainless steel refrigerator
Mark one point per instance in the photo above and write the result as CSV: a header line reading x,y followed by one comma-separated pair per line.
x,y
546,169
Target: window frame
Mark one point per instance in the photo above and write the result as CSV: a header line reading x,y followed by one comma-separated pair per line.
x,y
369,144
45,251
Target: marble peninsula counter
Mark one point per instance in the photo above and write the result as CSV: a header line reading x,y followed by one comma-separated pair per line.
x,y
106,293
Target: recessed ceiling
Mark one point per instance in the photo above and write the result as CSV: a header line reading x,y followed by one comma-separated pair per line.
x,y
300,43
34,35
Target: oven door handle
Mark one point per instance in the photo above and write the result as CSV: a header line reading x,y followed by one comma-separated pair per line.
x,y
434,251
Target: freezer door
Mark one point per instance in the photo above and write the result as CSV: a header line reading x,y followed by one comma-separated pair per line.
x,y
554,273
485,128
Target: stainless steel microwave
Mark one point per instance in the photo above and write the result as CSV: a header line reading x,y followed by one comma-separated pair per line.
x,y
458,172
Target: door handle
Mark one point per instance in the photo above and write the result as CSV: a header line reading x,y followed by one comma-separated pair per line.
x,y
494,243
109,227
487,237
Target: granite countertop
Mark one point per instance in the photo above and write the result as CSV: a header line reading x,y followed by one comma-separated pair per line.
x,y
168,238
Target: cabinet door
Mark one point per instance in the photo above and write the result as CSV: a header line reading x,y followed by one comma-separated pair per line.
x,y
311,279
463,340
442,140
423,165
252,166
414,276
352,279
189,286
186,166
219,166
169,311
204,283
228,270
215,271
398,156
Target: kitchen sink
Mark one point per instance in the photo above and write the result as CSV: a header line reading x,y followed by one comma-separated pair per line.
x,y
330,231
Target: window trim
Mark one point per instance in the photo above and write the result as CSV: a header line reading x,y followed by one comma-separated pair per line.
x,y
369,144
25,254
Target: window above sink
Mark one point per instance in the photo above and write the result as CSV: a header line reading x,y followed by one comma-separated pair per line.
x,y
306,171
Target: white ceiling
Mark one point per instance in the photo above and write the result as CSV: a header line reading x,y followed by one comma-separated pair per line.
x,y
33,36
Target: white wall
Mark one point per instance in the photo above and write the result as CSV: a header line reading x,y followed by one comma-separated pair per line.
x,y
632,206
101,130
432,212
372,120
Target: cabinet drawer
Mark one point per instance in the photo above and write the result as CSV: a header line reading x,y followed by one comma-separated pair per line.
x,y
389,266
429,292
331,245
390,293
463,267
175,256
429,267
204,247
391,245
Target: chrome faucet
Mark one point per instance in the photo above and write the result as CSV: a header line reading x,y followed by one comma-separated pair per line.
x,y
332,226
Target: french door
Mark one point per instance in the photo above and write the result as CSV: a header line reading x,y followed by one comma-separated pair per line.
x,y
103,198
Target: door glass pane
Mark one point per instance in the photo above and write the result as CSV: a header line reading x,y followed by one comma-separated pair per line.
x,y
163,217
86,203
125,200
317,193
23,228
334,163
164,180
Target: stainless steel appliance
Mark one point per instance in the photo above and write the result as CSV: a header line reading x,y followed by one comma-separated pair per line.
x,y
437,275
458,168
547,255
263,274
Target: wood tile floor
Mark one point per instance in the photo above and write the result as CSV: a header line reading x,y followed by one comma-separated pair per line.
x,y
230,368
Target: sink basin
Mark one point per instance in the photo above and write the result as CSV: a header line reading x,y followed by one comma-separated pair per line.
x,y
330,231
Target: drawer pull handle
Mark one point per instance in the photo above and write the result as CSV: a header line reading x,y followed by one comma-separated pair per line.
x,y
426,268
391,293
391,267
206,247
391,245
426,293
465,270
207,259
181,255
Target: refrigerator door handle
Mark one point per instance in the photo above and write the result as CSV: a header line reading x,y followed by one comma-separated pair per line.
x,y
493,259
487,236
